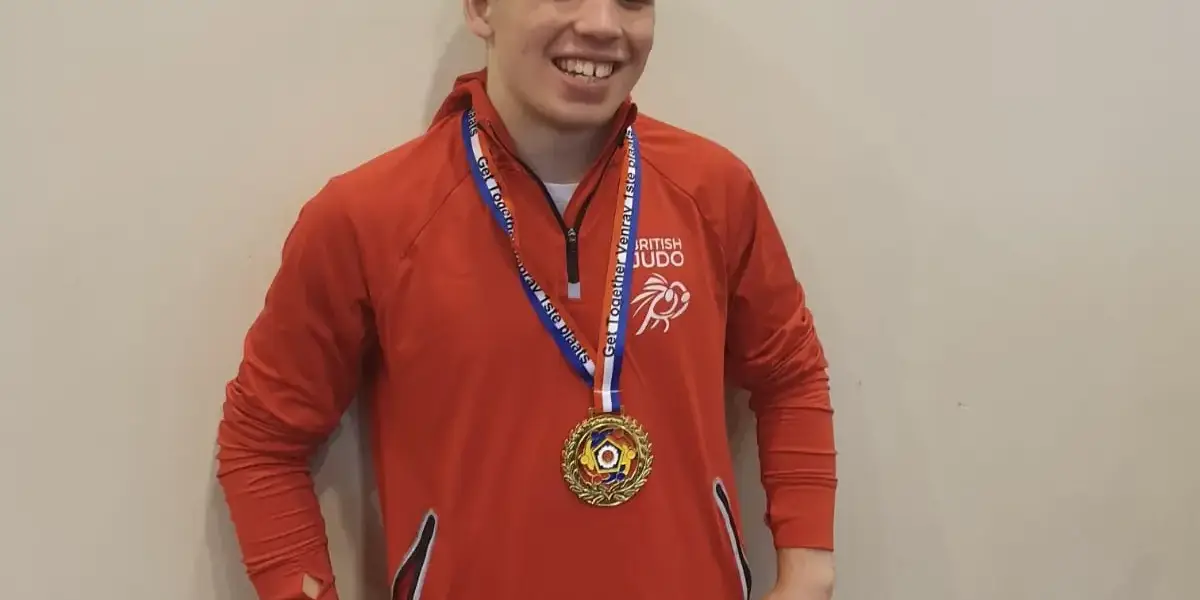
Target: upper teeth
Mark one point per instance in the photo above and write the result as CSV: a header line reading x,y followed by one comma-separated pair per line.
x,y
585,68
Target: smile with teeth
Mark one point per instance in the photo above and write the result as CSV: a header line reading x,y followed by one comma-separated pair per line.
x,y
584,69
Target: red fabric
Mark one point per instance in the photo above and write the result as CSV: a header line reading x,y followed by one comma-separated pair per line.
x,y
396,281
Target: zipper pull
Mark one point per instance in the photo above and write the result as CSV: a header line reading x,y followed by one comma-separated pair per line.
x,y
573,291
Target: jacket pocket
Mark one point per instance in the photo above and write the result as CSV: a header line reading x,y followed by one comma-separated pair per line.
x,y
410,575
738,554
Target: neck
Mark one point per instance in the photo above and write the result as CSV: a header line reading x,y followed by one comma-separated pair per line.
x,y
555,154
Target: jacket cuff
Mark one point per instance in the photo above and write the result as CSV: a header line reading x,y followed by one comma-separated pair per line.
x,y
801,517
287,581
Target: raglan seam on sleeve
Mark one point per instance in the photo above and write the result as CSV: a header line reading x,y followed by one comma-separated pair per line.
x,y
391,283
723,237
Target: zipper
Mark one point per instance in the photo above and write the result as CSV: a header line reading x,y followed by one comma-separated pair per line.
x,y
570,232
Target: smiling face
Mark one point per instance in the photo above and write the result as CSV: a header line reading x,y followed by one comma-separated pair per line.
x,y
569,63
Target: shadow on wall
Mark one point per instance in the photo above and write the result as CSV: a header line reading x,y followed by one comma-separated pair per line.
x,y
463,53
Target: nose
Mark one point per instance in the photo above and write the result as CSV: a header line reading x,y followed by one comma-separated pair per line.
x,y
599,19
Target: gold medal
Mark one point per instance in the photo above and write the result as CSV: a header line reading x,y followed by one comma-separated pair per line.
x,y
607,459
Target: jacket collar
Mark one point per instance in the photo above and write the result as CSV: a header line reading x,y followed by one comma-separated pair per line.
x,y
470,91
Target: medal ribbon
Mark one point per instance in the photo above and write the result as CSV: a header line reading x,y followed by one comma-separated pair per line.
x,y
604,384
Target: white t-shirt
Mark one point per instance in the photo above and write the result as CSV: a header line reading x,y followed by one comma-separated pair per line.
x,y
561,194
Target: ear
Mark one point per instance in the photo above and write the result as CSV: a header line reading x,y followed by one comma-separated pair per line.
x,y
479,17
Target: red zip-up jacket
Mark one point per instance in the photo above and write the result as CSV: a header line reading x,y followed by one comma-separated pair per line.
x,y
397,282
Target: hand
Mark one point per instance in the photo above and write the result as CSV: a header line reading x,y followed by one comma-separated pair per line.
x,y
798,591
803,574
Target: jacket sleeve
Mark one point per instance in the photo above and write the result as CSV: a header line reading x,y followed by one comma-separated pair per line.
x,y
774,353
299,372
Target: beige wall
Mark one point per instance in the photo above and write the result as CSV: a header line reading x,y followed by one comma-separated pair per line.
x,y
994,206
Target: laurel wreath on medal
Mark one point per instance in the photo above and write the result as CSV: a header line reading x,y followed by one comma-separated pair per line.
x,y
614,494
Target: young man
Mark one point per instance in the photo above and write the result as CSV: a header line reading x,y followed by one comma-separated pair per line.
x,y
539,299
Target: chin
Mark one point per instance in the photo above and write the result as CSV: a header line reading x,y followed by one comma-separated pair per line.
x,y
574,116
